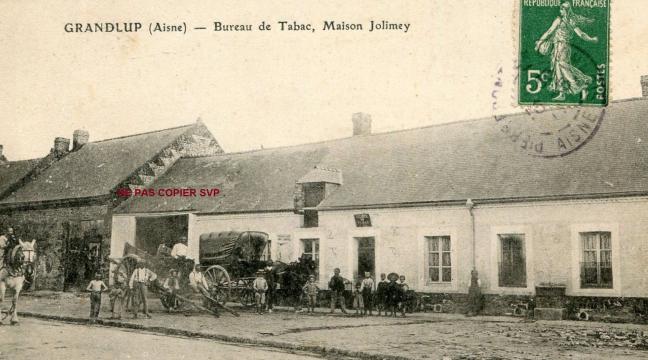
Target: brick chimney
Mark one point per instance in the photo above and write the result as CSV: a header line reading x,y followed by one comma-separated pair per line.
x,y
61,146
644,86
79,138
361,124
3,159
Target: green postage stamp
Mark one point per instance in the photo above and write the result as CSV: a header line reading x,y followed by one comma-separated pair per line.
x,y
564,52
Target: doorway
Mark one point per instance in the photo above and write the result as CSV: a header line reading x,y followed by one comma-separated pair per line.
x,y
366,256
152,231
83,254
513,262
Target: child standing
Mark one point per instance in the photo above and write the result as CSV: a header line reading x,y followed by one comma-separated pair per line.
x,y
358,302
367,290
311,290
260,286
96,287
116,299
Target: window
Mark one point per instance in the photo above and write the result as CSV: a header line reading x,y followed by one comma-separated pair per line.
x,y
512,266
311,218
311,251
439,259
596,264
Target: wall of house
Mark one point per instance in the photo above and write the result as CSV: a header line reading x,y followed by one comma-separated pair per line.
x,y
50,229
552,243
282,228
400,244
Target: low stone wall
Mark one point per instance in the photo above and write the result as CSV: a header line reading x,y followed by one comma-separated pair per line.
x,y
630,310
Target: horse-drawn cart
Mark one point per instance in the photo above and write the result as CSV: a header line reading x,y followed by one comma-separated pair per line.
x,y
238,252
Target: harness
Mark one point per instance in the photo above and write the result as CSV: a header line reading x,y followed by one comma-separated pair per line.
x,y
14,267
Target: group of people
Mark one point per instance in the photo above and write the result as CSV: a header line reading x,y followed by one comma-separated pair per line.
x,y
388,296
137,289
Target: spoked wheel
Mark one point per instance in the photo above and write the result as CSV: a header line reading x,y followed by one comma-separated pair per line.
x,y
123,273
220,286
246,293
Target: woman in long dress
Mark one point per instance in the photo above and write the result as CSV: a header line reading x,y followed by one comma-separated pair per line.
x,y
566,77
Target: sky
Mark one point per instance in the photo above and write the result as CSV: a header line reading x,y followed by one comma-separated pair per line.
x,y
271,88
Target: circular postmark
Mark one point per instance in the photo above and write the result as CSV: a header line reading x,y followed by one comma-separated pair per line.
x,y
552,133
547,130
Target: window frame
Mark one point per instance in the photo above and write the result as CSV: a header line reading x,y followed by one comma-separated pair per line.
x,y
458,247
597,250
574,286
313,253
495,258
440,252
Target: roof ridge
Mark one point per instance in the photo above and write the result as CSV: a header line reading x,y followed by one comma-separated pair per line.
x,y
16,161
143,133
450,123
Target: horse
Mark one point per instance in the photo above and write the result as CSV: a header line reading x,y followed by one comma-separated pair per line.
x,y
13,274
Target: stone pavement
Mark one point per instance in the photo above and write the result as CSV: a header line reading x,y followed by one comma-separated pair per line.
x,y
418,336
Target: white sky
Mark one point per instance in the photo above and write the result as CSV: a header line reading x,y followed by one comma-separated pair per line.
x,y
267,89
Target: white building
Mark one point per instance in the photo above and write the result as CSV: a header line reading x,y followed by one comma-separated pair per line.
x,y
396,202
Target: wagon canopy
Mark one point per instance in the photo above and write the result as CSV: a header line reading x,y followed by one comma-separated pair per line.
x,y
223,247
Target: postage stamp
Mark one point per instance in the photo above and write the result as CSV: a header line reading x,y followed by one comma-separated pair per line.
x,y
564,52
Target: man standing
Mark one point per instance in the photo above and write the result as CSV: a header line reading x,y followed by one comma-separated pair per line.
x,y
7,242
367,290
179,250
138,282
198,282
336,285
271,280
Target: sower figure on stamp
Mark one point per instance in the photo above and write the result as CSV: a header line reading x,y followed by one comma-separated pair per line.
x,y
96,287
336,285
139,282
558,39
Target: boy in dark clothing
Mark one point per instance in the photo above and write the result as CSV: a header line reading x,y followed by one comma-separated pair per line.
x,y
336,285
394,296
381,294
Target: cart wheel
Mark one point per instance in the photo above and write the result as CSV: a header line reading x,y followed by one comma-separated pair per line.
x,y
123,273
247,297
220,286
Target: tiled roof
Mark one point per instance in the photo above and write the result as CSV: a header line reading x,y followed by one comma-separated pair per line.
x,y
94,169
13,171
442,163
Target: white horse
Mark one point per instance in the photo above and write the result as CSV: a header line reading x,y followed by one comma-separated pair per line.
x,y
13,275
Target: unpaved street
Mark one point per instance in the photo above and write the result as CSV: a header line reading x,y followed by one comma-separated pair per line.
x,y
36,339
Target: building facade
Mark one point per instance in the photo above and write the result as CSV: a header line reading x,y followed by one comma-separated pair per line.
x,y
434,204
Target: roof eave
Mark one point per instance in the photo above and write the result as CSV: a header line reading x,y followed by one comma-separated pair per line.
x,y
486,201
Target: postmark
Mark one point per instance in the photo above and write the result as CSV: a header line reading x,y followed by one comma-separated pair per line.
x,y
564,52
546,130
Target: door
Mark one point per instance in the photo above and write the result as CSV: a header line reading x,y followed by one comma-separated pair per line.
x,y
83,256
513,262
366,256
